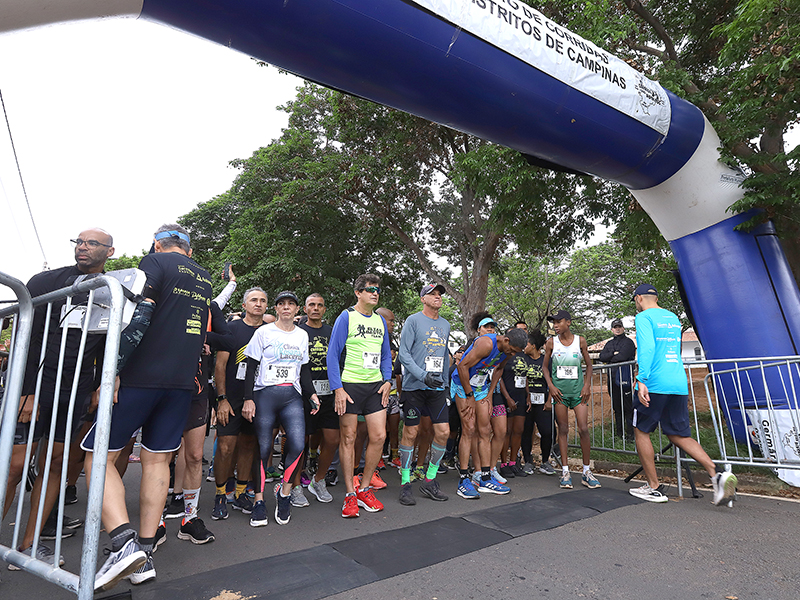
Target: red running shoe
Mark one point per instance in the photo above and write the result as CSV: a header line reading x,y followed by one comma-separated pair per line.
x,y
376,482
350,507
381,465
396,462
367,500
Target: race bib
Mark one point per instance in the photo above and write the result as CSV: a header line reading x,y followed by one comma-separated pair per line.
x,y
520,381
277,374
434,364
567,371
322,387
479,379
241,371
537,398
372,360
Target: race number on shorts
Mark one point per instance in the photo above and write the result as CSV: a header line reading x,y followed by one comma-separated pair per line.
x,y
322,387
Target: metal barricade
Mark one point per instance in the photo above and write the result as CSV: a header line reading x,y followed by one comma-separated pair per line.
x,y
723,391
81,583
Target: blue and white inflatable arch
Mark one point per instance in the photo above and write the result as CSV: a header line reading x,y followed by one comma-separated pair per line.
x,y
502,71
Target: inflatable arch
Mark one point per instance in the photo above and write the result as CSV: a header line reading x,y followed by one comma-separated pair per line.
x,y
502,71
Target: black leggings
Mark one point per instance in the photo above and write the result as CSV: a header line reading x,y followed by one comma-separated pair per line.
x,y
281,404
543,419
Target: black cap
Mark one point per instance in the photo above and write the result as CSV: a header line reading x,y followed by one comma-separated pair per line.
x,y
616,323
562,314
427,289
645,289
287,294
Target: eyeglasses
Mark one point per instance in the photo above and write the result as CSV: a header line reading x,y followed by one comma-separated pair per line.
x,y
90,243
373,289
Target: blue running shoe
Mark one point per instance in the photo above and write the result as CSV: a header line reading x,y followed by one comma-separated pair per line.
x,y
258,518
566,481
589,480
243,503
283,506
220,510
493,487
466,489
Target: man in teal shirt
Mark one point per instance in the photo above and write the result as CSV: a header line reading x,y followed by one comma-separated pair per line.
x,y
663,397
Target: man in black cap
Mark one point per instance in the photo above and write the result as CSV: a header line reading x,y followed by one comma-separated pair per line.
x,y
620,349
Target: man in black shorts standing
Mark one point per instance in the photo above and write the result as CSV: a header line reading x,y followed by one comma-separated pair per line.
x,y
360,339
423,354
155,394
314,376
620,379
234,432
92,248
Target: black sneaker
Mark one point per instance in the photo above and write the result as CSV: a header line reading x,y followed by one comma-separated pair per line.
x,y
49,528
283,506
195,531
517,470
430,488
72,522
506,471
258,518
161,535
71,494
175,508
220,510
243,503
407,495
331,477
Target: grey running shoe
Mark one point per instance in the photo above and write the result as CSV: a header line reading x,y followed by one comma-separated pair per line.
x,y
528,468
119,565
547,469
144,573
407,495
195,531
43,553
320,490
431,490
647,493
298,498
724,484
243,503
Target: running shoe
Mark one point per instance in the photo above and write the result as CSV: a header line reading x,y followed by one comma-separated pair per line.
x,y
175,508
381,465
493,487
146,572
350,506
528,468
476,477
320,491
430,488
647,493
331,477
506,471
547,469
43,553
466,489
243,503
220,510
313,461
49,529
442,470
72,522
518,471
497,476
258,518
283,505
230,488
566,481
396,462
119,565
298,497
724,485
367,500
418,474
407,495
590,481
448,462
71,494
210,476
304,479
376,483
271,474
195,531
161,535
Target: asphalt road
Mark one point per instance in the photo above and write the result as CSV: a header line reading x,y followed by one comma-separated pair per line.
x,y
683,549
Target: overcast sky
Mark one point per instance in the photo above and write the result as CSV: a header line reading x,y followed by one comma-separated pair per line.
x,y
125,125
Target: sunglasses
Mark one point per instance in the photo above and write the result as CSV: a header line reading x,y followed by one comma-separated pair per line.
x,y
372,289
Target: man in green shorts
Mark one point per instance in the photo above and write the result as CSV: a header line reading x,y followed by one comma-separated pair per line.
x,y
569,390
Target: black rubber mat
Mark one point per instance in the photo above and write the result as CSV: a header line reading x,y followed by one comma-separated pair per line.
x,y
391,553
308,574
539,514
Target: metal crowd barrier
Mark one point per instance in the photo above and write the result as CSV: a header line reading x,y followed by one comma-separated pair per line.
x,y
765,389
81,583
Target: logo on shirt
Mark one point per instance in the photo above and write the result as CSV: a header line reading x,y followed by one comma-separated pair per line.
x,y
373,332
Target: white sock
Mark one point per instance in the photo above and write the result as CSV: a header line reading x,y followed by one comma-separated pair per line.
x,y
565,470
190,500
585,469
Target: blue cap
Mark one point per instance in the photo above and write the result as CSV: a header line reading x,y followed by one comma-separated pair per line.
x,y
645,289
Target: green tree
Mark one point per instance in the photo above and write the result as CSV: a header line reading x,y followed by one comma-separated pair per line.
x,y
123,261
739,61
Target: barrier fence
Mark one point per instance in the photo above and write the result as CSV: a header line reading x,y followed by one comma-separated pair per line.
x,y
76,316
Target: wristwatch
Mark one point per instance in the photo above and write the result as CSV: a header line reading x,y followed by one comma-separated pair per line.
x,y
468,394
